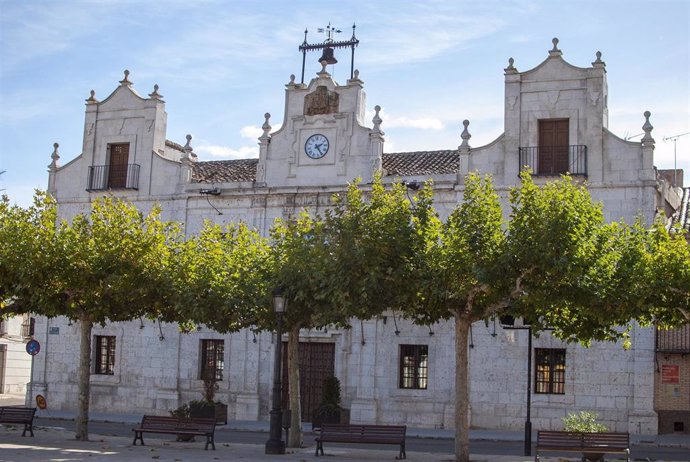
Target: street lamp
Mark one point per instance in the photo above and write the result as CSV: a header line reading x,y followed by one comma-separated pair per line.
x,y
275,443
508,322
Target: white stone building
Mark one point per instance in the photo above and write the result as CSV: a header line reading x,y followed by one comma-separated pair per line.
x,y
556,121
15,362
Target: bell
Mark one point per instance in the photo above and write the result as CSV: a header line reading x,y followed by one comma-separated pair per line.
x,y
328,56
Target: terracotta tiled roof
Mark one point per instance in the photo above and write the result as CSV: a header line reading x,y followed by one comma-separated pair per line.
x,y
421,163
172,144
225,171
394,164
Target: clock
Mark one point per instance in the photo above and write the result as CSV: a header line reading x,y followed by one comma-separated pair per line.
x,y
316,146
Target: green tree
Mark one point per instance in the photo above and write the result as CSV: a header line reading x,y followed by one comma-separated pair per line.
x,y
108,265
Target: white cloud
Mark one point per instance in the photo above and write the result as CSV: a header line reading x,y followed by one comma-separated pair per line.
x,y
225,152
421,123
251,131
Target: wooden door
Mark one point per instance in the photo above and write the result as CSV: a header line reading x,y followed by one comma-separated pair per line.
x,y
553,146
117,168
316,362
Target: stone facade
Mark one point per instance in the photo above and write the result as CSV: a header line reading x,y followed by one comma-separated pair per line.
x,y
156,367
15,362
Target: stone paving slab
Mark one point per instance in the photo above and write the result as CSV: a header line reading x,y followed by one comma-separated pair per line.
x,y
57,445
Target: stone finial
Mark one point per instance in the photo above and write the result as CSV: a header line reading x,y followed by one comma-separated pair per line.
x,y
292,79
155,94
510,69
555,51
598,62
647,127
377,119
323,73
189,150
55,156
92,98
126,80
266,127
355,78
465,135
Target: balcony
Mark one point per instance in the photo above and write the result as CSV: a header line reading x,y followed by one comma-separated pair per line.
x,y
673,340
28,327
554,160
104,177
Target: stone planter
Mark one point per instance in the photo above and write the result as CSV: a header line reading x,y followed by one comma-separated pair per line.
x,y
218,411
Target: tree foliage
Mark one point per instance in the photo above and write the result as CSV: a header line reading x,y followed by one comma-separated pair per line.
x,y
108,265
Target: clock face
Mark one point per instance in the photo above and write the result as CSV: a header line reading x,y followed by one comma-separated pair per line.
x,y
316,146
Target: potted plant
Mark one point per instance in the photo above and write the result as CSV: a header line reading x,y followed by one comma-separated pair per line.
x,y
208,407
585,422
329,410
182,412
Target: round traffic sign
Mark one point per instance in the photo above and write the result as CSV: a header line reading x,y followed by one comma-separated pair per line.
x,y
33,347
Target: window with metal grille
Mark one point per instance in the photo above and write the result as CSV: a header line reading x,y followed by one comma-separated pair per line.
x,y
212,361
549,374
105,355
414,366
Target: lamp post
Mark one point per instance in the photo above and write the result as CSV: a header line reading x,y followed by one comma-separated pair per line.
x,y
275,444
510,324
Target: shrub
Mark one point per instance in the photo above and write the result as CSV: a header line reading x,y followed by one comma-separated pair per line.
x,y
583,421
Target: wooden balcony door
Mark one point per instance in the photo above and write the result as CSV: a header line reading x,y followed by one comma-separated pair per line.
x,y
553,146
117,167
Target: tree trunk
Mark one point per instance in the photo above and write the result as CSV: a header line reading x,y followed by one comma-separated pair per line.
x,y
462,398
295,439
82,422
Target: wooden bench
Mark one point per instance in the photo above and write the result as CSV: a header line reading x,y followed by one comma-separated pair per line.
x,y
19,415
176,426
370,434
603,443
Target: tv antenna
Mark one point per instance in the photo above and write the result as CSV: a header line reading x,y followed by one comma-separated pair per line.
x,y
674,138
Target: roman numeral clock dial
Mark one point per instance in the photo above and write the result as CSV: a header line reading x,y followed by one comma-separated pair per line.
x,y
316,146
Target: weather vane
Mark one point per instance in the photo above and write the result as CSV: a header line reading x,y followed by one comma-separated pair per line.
x,y
330,32
328,45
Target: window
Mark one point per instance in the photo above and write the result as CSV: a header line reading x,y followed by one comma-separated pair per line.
x,y
105,355
212,359
414,366
550,371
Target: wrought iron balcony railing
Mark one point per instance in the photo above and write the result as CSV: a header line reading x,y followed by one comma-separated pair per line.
x,y
673,340
102,177
554,160
28,328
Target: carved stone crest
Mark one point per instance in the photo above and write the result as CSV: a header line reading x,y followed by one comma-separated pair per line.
x,y
321,101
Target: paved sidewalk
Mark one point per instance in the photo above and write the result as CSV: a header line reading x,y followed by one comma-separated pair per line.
x,y
55,444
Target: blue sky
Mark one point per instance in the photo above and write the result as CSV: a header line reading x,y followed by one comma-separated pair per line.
x,y
221,65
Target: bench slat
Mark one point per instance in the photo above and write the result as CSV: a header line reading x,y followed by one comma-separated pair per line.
x,y
369,434
606,442
176,425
